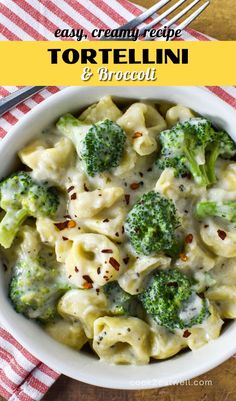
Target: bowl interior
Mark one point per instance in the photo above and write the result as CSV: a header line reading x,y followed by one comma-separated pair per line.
x,y
83,366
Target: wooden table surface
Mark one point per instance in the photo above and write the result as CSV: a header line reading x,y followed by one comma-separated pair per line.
x,y
218,20
219,384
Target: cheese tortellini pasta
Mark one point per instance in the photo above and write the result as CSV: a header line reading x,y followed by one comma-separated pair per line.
x,y
122,340
86,265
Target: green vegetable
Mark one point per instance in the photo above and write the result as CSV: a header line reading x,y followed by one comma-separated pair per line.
x,y
184,148
222,146
170,299
193,147
21,197
225,210
103,147
36,286
119,301
151,225
100,145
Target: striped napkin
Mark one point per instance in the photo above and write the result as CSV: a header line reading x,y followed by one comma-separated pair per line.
x,y
22,376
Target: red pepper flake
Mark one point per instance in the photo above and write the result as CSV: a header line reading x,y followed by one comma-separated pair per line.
x,y
183,257
134,185
126,260
222,234
87,286
189,239
99,270
73,196
70,188
67,216
76,269
137,135
65,238
106,221
86,188
71,224
127,199
89,281
107,251
186,334
114,263
62,225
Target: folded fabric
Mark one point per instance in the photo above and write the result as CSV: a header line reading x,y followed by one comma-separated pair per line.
x,y
22,376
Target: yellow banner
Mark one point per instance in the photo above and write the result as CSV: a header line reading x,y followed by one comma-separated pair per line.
x,y
118,63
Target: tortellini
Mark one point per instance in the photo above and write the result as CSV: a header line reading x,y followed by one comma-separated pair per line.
x,y
122,340
142,123
84,306
127,162
196,257
108,222
177,114
182,191
88,204
55,231
68,333
105,108
164,343
133,280
226,172
221,240
91,260
48,160
223,292
199,335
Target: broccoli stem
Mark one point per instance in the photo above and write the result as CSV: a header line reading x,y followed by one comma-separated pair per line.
x,y
198,171
225,210
215,152
10,225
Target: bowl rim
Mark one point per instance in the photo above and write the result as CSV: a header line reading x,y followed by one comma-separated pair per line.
x,y
52,360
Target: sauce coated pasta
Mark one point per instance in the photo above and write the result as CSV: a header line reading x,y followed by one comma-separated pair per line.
x,y
120,230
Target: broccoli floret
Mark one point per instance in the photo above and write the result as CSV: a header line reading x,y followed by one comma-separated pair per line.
x,y
223,146
103,147
184,147
119,301
100,145
170,299
21,197
225,210
35,287
151,225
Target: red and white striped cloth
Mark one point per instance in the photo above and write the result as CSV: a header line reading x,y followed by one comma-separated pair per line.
x,y
22,376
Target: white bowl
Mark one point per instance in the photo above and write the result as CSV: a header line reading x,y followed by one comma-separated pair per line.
x,y
79,365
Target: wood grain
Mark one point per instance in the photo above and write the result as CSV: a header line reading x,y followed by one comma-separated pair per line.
x,y
219,386
218,20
